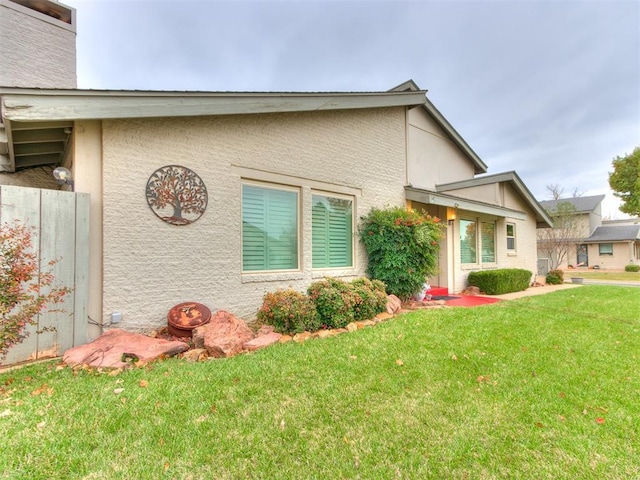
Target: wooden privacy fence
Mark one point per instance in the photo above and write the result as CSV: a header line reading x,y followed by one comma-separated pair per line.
x,y
59,222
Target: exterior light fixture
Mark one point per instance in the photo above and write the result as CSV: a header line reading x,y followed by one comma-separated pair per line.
x,y
63,176
451,215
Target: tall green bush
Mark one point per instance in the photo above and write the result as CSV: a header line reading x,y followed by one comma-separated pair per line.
x,y
402,246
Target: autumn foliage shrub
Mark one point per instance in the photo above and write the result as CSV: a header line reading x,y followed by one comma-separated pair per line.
x,y
335,301
25,286
370,298
504,280
289,311
402,246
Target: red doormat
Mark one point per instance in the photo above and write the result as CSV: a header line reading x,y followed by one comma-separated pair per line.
x,y
471,301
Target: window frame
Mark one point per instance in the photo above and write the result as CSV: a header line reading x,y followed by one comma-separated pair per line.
x,y
493,242
352,227
605,254
298,210
511,237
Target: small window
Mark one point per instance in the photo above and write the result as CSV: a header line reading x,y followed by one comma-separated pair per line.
x,y
468,242
332,231
511,237
269,228
606,248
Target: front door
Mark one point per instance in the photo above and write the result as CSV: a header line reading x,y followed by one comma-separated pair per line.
x,y
583,257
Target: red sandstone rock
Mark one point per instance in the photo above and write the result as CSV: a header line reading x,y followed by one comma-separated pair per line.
x,y
223,336
108,350
262,341
393,304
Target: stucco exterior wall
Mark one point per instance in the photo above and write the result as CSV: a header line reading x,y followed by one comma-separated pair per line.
x,y
35,50
432,158
150,265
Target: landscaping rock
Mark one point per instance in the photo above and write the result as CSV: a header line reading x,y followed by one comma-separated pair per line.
x,y
195,355
302,337
223,336
262,341
114,346
381,317
393,304
322,334
352,327
471,290
285,338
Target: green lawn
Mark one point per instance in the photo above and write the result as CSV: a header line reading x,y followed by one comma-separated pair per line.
x,y
602,275
545,387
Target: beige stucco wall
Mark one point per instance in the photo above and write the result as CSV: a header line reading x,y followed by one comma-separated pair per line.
x,y
432,158
150,266
35,49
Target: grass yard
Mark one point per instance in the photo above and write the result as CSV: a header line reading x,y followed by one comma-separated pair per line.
x,y
545,387
603,275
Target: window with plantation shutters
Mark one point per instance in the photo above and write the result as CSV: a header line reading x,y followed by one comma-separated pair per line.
x,y
332,232
488,239
468,235
269,228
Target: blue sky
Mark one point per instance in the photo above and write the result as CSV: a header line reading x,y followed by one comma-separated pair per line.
x,y
548,88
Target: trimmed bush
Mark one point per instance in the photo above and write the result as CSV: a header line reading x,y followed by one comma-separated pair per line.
x,y
555,277
497,282
370,298
289,311
402,247
334,300
632,268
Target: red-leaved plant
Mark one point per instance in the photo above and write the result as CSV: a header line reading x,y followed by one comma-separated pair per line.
x,y
25,287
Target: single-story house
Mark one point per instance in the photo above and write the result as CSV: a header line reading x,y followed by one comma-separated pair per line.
x,y
220,197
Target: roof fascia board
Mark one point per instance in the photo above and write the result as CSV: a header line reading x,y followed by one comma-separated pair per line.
x,y
510,177
41,105
434,198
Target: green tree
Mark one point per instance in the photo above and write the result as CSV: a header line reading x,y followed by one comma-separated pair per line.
x,y
625,181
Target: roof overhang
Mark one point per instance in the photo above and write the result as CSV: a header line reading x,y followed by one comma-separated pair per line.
x,y
38,122
444,200
542,217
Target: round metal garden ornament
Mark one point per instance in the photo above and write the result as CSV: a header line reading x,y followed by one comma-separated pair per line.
x,y
176,194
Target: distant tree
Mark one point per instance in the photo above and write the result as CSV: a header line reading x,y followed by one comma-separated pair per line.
x,y
555,242
556,191
625,181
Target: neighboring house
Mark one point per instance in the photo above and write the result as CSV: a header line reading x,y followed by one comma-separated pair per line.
x,y
597,243
287,177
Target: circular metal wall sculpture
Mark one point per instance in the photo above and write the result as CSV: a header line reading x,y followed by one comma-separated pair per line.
x,y
176,194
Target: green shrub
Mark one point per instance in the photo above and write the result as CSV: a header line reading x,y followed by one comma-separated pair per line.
x,y
555,277
402,247
497,282
632,268
289,311
334,300
370,298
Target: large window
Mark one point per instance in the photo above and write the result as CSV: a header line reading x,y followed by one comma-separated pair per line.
x,y
269,228
605,248
332,231
471,242
468,241
488,239
511,237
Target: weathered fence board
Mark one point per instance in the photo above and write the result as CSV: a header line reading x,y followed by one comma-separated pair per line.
x,y
59,221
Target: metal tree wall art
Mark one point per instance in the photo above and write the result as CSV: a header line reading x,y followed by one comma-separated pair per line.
x,y
176,194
